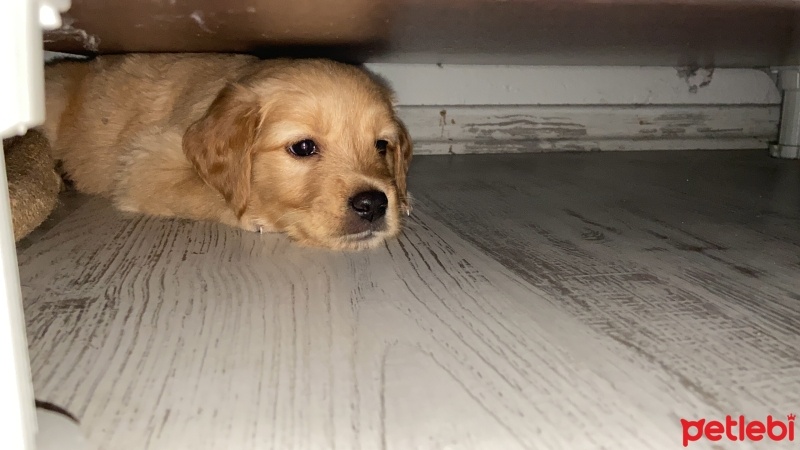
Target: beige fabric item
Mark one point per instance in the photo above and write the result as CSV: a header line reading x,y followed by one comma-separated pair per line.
x,y
33,183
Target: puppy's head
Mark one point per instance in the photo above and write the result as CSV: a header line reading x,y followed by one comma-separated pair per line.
x,y
312,148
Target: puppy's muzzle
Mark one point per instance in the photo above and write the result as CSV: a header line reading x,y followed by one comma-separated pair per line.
x,y
369,205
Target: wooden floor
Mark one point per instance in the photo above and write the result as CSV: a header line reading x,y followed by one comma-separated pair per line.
x,y
544,301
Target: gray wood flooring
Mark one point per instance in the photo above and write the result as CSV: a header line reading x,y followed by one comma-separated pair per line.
x,y
578,301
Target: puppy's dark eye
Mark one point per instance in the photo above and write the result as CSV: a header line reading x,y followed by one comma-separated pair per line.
x,y
306,147
381,146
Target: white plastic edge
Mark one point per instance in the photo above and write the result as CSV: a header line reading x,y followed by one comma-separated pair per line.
x,y
21,107
22,79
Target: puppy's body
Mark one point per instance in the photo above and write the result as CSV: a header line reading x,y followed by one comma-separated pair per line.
x,y
206,137
116,124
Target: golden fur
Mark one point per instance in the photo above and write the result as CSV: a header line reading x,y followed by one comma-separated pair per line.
x,y
206,136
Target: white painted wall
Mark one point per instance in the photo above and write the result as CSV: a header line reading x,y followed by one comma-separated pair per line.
x,y
430,84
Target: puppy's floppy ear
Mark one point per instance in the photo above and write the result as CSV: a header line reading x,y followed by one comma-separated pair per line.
x,y
401,158
219,144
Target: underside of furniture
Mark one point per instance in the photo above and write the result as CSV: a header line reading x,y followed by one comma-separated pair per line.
x,y
717,33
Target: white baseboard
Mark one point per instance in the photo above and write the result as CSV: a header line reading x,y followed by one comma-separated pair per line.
x,y
502,129
496,109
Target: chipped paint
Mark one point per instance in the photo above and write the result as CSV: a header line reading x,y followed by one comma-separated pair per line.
x,y
537,127
68,32
695,77
198,18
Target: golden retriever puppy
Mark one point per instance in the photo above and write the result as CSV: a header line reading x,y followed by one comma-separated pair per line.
x,y
312,148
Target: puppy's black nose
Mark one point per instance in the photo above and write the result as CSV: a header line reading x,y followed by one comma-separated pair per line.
x,y
369,205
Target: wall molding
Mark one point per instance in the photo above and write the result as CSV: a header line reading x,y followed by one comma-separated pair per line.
x,y
503,129
496,109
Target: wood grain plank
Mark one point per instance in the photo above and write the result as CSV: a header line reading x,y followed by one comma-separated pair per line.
x,y
690,260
